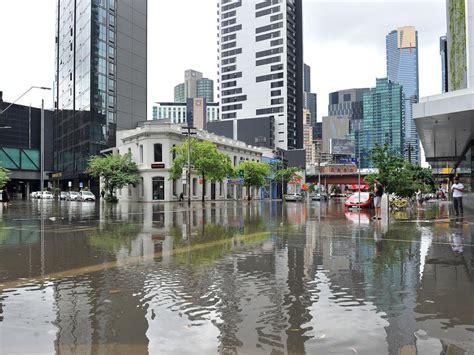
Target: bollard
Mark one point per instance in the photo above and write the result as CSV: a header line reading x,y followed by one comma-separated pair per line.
x,y
384,211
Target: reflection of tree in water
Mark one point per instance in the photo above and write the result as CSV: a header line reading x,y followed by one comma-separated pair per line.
x,y
210,242
114,236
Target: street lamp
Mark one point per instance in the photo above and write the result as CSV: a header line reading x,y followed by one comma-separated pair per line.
x,y
189,130
42,127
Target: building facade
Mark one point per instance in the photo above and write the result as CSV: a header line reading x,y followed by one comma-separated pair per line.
x,y
383,121
195,111
334,127
20,147
402,68
443,52
348,103
310,99
150,146
100,82
194,86
260,56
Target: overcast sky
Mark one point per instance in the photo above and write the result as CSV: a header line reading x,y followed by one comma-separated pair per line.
x,y
344,44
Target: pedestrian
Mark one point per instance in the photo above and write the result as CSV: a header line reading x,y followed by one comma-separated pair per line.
x,y
379,190
457,189
181,196
5,196
419,197
102,193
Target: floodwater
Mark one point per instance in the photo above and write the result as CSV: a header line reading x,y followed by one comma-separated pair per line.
x,y
234,278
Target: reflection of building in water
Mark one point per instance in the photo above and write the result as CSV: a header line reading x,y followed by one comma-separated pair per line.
x,y
447,288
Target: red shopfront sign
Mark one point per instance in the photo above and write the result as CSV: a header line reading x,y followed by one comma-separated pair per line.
x,y
158,165
361,187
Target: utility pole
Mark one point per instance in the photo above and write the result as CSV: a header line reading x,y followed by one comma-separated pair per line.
x,y
42,146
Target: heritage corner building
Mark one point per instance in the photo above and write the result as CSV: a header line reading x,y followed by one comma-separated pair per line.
x,y
150,146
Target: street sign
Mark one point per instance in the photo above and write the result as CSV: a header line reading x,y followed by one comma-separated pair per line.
x,y
81,185
235,181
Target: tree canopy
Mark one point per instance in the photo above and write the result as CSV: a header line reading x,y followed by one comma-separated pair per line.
x,y
4,177
116,170
397,175
254,174
283,175
206,160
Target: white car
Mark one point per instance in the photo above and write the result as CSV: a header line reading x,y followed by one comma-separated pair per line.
x,y
34,194
73,196
87,196
46,195
294,197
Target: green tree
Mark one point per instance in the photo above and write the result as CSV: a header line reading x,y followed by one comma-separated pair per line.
x,y
254,174
283,175
206,160
4,177
115,170
397,176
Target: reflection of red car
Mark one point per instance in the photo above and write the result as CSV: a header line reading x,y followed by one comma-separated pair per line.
x,y
366,200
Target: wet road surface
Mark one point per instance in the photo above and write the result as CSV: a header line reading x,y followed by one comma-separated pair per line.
x,y
233,277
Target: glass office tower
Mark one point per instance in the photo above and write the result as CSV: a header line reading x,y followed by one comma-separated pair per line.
x,y
383,122
100,83
402,68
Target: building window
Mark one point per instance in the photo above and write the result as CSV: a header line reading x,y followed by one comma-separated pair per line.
x,y
141,153
158,152
142,187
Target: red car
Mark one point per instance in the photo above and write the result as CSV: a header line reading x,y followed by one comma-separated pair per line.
x,y
366,200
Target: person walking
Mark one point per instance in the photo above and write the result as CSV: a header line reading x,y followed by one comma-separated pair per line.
x,y
5,197
419,197
379,190
102,193
457,190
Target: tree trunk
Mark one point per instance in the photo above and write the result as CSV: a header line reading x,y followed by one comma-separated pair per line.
x,y
248,193
203,188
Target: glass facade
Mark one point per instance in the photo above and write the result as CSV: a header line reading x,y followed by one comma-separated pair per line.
x,y
85,120
205,89
180,93
383,121
402,68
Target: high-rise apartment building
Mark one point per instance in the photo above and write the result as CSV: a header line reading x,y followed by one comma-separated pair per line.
x,y
194,86
347,103
402,68
196,112
260,59
101,79
383,121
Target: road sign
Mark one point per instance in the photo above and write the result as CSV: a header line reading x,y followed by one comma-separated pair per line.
x,y
235,181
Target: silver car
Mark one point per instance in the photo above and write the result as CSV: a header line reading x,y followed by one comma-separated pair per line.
x,y
87,196
73,196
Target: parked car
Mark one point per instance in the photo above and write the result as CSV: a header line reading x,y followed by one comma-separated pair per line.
x,y
63,195
73,196
293,197
35,194
46,195
366,200
319,196
86,196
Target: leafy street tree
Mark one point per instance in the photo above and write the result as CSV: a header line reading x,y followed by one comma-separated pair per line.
x,y
397,175
283,175
254,174
4,178
206,160
116,171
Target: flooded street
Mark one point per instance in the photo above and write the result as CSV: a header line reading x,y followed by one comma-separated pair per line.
x,y
233,277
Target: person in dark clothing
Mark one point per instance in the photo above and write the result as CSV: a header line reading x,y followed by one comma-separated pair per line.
x,y
5,196
181,196
102,193
379,190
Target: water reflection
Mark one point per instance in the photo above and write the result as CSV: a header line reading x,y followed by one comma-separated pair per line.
x,y
232,278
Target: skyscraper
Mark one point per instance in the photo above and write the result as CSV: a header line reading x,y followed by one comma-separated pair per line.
x,y
383,121
310,99
402,68
101,79
260,59
194,86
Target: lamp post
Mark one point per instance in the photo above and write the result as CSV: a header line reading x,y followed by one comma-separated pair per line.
x,y
187,130
41,128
